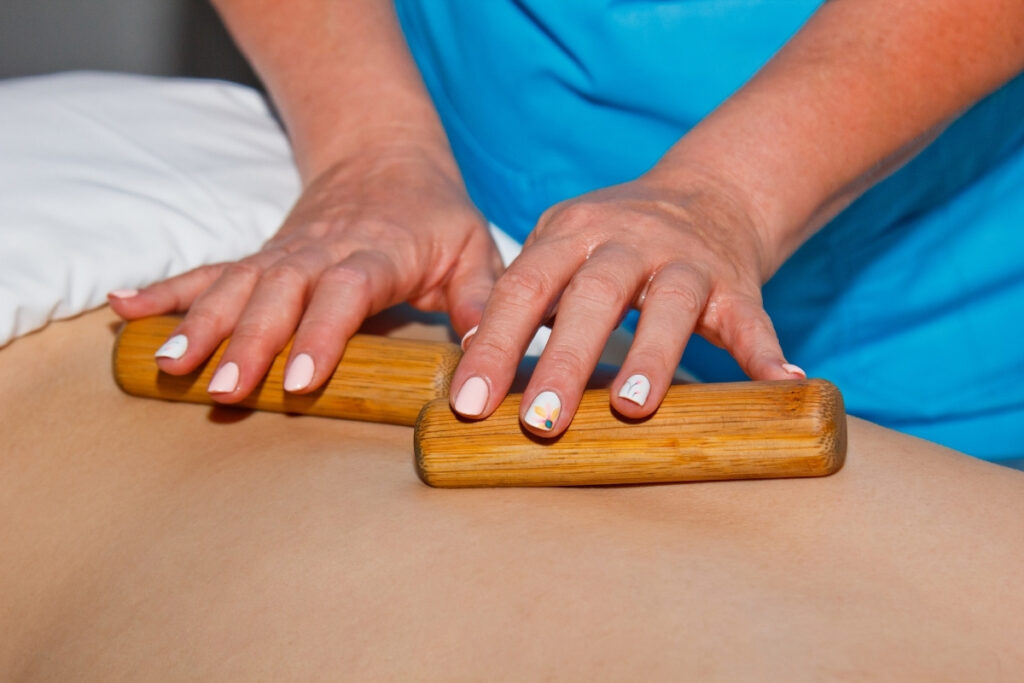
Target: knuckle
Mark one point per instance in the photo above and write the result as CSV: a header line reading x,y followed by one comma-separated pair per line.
x,y
651,357
578,213
598,289
377,230
753,333
316,229
248,336
242,270
317,325
284,275
524,285
254,335
494,350
566,361
204,317
743,336
683,295
347,276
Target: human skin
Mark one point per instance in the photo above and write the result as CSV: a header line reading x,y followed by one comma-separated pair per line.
x,y
148,540
383,217
860,88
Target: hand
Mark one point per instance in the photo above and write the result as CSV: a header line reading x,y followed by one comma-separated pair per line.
x,y
366,234
691,260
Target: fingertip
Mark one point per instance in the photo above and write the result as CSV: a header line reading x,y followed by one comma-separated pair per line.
x,y
635,389
472,397
225,380
121,294
174,348
170,357
795,371
125,302
543,413
636,396
468,337
299,375
173,367
774,367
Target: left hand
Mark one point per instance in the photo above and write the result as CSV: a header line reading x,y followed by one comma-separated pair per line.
x,y
690,260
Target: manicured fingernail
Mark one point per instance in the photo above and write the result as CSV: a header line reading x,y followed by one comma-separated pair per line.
x,y
300,373
174,348
472,397
543,412
466,338
123,293
794,370
225,380
636,389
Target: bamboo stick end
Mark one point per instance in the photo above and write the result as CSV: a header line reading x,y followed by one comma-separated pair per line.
x,y
421,433
830,415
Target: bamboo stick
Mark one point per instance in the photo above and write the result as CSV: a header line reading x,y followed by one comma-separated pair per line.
x,y
379,379
745,430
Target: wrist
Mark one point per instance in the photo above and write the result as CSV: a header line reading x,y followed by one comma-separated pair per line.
x,y
329,131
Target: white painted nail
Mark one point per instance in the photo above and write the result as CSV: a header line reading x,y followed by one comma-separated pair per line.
x,y
466,337
124,293
636,389
300,373
174,348
794,370
225,380
472,397
543,412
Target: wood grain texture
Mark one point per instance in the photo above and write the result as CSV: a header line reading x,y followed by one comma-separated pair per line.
x,y
743,430
378,379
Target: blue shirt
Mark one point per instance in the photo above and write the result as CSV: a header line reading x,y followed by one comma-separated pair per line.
x,y
911,300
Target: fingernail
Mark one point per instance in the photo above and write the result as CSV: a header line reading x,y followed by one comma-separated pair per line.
x,y
123,293
794,370
543,412
472,397
300,373
466,338
174,348
636,389
225,380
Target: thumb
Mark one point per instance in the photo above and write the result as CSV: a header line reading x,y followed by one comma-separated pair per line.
x,y
470,286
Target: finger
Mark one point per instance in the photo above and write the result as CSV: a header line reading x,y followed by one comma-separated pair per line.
x,y
519,301
267,322
590,309
212,315
747,333
471,284
173,294
672,303
347,293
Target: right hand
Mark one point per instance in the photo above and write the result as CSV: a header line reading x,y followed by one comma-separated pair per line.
x,y
367,233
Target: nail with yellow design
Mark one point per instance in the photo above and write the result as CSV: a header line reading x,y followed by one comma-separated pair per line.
x,y
543,412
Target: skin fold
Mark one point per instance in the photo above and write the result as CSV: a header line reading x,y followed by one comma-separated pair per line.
x,y
385,218
153,540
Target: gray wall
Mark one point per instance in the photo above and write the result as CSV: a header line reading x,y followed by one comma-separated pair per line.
x,y
161,37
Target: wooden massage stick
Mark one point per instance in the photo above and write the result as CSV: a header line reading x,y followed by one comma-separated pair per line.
x,y
742,430
379,379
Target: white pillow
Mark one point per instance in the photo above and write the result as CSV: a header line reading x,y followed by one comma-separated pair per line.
x,y
113,181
